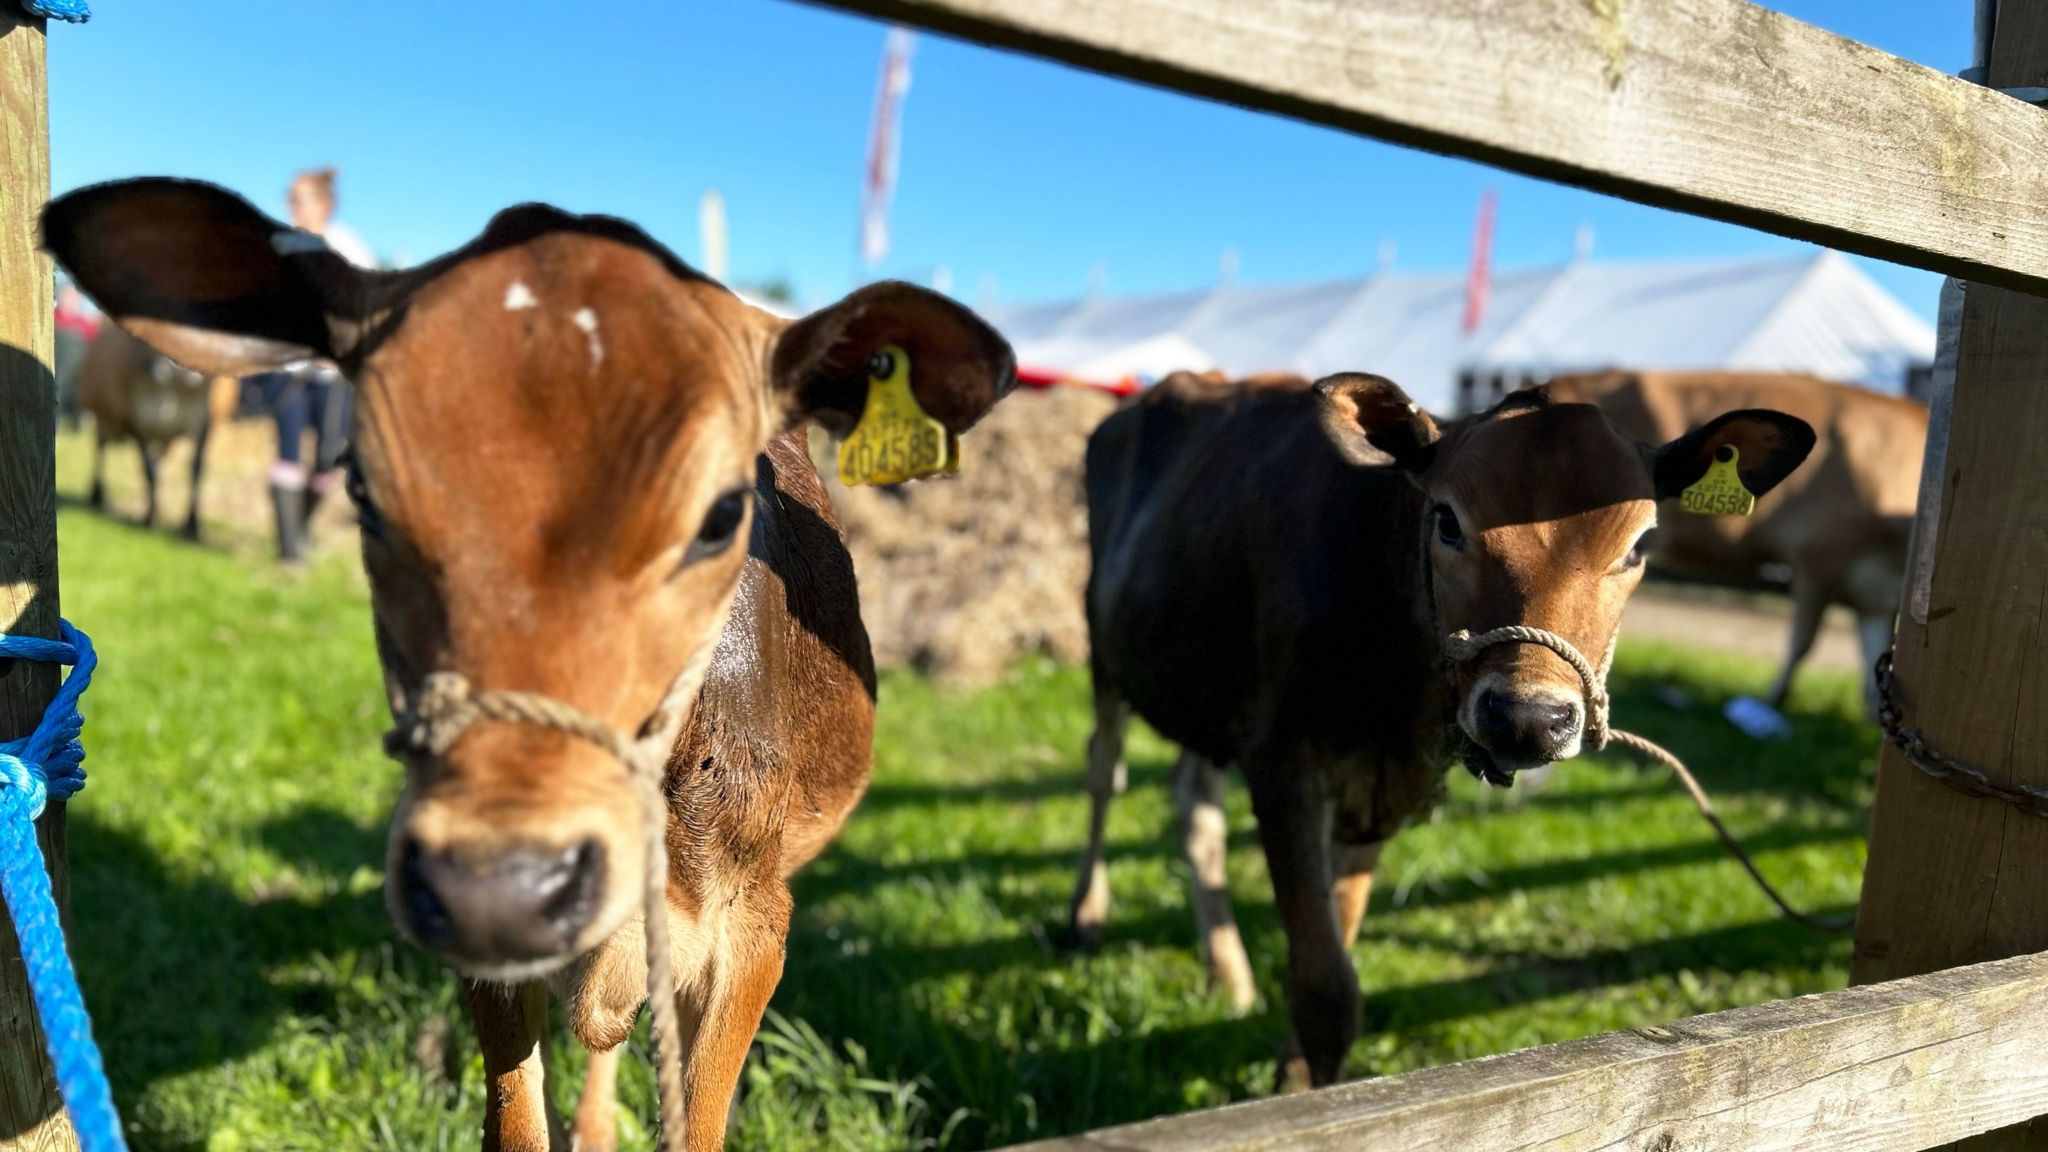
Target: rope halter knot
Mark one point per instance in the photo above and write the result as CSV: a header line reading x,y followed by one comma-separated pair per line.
x,y
1462,646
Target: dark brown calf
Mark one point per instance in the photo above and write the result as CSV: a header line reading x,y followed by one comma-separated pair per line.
x,y
1275,572
581,474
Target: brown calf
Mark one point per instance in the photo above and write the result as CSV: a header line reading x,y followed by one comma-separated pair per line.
x,y
136,394
581,473
1839,528
1275,572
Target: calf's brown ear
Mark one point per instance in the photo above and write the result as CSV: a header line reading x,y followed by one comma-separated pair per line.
x,y
199,274
1769,446
959,366
1374,424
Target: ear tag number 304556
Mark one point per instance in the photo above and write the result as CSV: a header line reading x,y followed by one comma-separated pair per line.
x,y
895,441
1720,491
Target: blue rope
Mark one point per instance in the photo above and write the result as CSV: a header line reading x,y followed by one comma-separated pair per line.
x,y
74,11
46,763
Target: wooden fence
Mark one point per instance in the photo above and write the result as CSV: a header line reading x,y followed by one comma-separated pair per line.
x,y
31,1114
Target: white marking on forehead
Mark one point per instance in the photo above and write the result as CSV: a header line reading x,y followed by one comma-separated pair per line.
x,y
518,296
296,242
587,320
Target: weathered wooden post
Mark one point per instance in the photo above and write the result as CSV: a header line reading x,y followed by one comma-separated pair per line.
x,y
31,1114
1954,879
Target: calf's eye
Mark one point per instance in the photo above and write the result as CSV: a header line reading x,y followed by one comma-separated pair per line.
x,y
1637,554
1447,527
721,525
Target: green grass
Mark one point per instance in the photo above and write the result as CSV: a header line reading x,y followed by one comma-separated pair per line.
x,y
250,993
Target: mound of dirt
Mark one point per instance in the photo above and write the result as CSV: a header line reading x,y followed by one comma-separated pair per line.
x,y
962,575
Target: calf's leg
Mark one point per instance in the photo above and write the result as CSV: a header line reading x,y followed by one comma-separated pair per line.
x,y
98,497
151,454
191,529
1809,606
596,1124
1198,788
1352,865
721,1013
1322,988
1106,777
510,1024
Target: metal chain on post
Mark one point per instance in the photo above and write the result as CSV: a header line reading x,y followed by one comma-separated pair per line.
x,y
1968,780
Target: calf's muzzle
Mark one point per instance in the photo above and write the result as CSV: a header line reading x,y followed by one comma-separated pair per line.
x,y
1526,728
510,906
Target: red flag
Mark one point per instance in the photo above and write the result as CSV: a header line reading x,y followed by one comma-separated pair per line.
x,y
880,184
1479,278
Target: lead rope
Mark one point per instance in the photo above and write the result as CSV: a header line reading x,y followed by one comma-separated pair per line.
x,y
445,708
1461,646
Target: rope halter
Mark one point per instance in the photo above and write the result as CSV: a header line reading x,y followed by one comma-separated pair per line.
x,y
1462,646
446,706
443,710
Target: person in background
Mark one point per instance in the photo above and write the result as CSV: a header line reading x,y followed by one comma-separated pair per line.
x,y
314,395
77,324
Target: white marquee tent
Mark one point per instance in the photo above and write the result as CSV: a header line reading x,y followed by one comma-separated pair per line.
x,y
1818,314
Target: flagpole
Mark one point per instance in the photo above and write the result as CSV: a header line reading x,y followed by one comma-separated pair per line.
x,y
878,187
1478,284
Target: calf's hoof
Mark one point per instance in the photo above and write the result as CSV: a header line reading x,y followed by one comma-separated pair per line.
x,y
1292,1078
1230,972
190,531
1077,935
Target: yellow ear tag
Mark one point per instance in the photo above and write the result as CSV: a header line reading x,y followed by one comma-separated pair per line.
x,y
1720,491
895,441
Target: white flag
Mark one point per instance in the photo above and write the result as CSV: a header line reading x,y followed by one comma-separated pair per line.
x,y
880,184
711,233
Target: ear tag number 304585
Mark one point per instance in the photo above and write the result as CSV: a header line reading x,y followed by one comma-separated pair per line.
x,y
1720,491
895,441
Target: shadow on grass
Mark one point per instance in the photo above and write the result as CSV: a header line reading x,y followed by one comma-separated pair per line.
x,y
182,972
1830,758
1134,1069
886,797
1444,891
1521,977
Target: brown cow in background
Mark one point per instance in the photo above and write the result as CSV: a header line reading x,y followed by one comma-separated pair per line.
x,y
135,394
1839,526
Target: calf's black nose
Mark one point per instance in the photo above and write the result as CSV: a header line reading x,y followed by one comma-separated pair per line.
x,y
1525,727
511,905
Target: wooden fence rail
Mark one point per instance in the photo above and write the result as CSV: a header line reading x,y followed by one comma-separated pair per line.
x,y
1893,1067
1715,107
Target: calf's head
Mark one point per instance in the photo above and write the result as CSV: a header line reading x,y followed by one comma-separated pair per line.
x,y
555,466
1534,514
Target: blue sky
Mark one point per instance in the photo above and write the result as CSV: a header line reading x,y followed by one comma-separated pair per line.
x,y
1016,174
